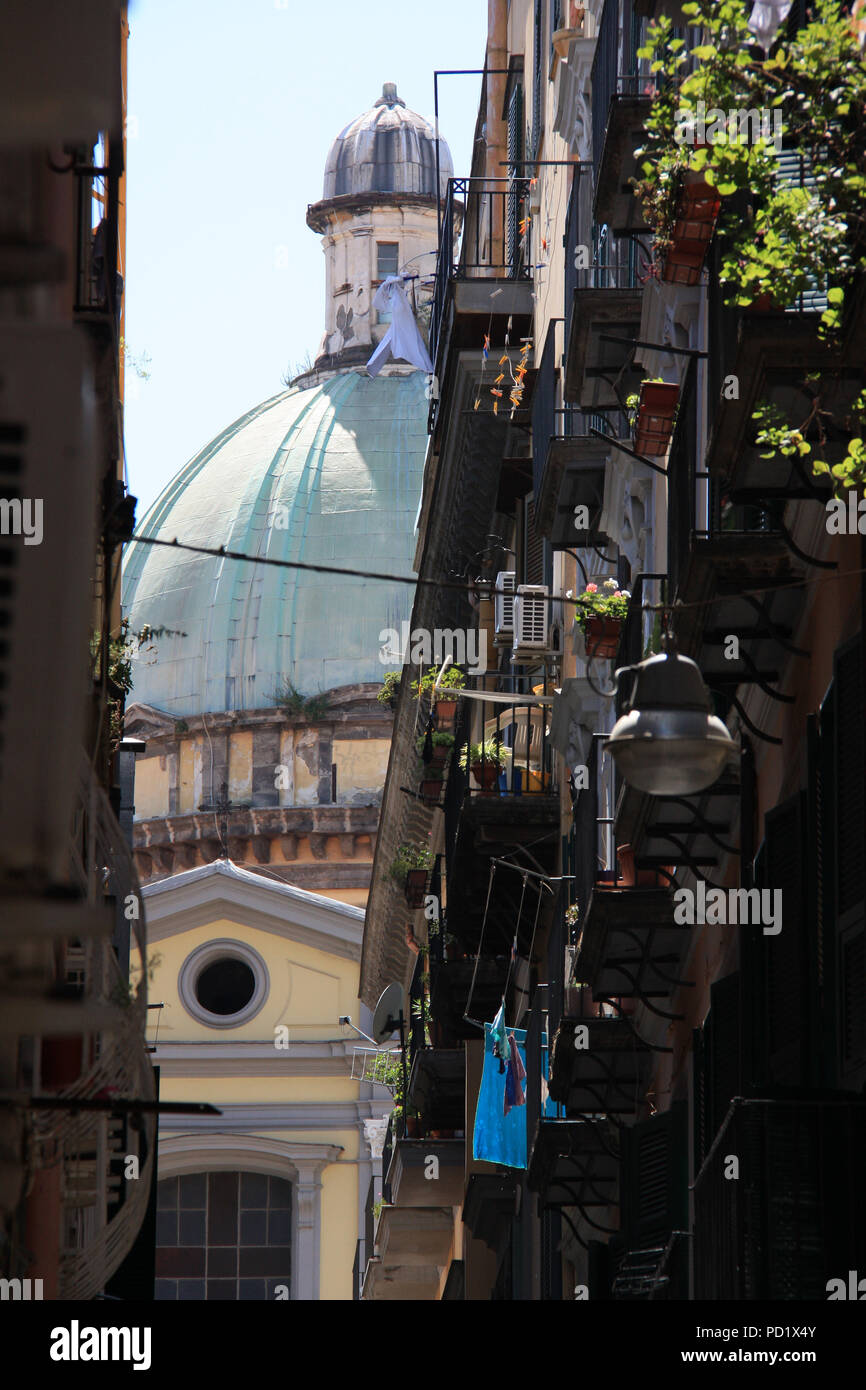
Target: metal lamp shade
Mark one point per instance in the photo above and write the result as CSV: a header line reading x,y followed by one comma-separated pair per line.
x,y
668,743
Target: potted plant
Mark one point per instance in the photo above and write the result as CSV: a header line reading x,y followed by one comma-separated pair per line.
x,y
445,698
410,868
485,760
390,689
695,220
452,947
442,745
431,783
656,412
601,613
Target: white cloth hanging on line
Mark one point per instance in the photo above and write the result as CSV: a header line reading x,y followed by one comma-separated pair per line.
x,y
403,339
766,19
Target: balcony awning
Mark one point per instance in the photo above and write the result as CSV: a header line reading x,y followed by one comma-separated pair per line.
x,y
506,697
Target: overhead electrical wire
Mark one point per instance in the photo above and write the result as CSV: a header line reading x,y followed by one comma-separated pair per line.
x,y
466,586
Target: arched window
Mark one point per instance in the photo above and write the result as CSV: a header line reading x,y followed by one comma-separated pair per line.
x,y
223,1235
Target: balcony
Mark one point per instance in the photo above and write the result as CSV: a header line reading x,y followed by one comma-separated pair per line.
x,y
413,1242
608,1074
771,353
454,984
89,1028
437,1086
629,945
412,1247
484,275
572,1163
796,1217
408,1180
620,103
494,806
695,832
570,473
604,321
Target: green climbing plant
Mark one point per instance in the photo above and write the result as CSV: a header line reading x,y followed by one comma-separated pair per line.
x,y
776,435
780,240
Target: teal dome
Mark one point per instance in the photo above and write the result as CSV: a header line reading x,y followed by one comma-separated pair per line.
x,y
331,475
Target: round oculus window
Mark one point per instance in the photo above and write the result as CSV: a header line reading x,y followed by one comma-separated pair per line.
x,y
223,983
225,986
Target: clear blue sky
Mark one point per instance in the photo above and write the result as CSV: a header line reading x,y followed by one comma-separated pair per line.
x,y
232,107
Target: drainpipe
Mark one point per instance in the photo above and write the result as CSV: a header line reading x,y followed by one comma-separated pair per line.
x,y
497,57
496,148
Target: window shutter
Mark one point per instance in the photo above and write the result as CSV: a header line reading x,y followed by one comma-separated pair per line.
x,y
515,171
788,1031
848,799
537,75
849,778
701,1138
723,1050
533,548
654,1178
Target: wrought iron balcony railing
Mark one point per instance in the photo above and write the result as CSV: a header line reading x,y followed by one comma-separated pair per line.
x,y
485,235
106,1054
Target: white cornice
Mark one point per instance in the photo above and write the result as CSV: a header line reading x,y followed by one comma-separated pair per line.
x,y
221,890
259,1059
304,1115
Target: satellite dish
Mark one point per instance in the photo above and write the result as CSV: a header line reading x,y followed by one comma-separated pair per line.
x,y
389,1013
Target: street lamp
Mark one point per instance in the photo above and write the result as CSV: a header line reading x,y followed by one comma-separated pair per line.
x,y
667,742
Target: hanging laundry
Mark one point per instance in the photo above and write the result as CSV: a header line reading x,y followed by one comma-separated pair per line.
x,y
515,1075
501,1048
499,1137
403,339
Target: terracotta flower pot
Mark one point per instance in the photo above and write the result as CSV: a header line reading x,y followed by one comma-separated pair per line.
x,y
655,422
440,755
415,887
487,774
431,790
652,446
764,304
659,399
445,712
413,1127
683,267
602,637
630,877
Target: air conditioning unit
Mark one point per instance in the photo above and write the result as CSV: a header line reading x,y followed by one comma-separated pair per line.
x,y
503,608
48,509
531,621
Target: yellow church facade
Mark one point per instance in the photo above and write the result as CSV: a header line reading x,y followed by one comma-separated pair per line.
x,y
252,977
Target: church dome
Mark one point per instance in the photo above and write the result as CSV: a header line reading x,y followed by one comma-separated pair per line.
x,y
388,149
328,475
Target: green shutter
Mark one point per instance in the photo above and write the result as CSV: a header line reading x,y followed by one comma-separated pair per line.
x,y
788,1016
515,171
794,167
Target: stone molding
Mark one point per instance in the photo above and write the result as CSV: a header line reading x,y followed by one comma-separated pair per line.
x,y
301,1164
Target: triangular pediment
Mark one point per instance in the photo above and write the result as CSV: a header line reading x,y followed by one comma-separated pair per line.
x,y
224,892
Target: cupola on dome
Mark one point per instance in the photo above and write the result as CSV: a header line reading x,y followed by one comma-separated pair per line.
x,y
388,149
